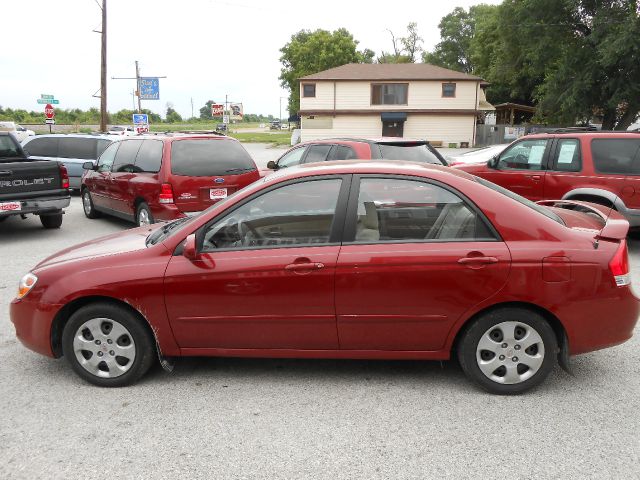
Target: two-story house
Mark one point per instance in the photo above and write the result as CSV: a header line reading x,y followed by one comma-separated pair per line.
x,y
413,100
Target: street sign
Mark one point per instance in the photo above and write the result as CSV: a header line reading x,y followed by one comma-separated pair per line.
x,y
50,121
46,97
140,119
149,88
52,101
49,112
225,119
217,110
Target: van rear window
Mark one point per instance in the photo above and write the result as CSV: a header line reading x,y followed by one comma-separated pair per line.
x,y
202,158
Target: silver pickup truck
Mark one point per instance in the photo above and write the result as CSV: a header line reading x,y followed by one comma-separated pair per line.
x,y
27,186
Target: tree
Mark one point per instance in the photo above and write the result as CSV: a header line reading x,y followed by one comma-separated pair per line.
x,y
311,52
172,116
404,48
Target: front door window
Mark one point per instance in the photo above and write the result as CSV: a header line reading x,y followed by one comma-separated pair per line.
x,y
525,155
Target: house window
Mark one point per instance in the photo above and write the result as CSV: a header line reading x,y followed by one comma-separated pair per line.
x,y
389,93
309,90
448,89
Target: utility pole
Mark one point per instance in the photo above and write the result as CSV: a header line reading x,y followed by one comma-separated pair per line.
x,y
192,107
103,69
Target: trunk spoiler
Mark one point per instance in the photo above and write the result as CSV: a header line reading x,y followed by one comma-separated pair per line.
x,y
615,226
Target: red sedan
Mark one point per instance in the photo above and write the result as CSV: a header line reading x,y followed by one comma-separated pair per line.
x,y
344,260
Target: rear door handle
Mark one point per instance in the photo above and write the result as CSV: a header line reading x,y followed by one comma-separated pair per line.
x,y
477,260
535,178
296,267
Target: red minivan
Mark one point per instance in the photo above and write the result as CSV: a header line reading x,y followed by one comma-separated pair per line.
x,y
164,177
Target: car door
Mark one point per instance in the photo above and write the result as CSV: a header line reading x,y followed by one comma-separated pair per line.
x,y
98,181
521,168
264,278
122,173
565,171
416,256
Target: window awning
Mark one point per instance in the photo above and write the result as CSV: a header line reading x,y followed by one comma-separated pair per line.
x,y
393,116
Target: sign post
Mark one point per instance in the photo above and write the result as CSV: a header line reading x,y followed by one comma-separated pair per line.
x,y
49,114
141,122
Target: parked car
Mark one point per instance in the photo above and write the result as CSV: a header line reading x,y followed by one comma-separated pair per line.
x,y
31,186
221,127
165,177
598,167
18,131
478,155
274,125
71,149
356,148
357,259
122,130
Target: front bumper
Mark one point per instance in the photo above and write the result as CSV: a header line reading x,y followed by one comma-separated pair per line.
x,y
33,321
39,205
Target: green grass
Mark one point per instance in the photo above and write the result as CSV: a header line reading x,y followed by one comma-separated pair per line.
x,y
273,138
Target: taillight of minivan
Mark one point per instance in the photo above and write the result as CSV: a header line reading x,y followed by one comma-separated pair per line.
x,y
619,265
166,193
64,176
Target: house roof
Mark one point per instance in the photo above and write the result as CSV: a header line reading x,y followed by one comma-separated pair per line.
x,y
390,71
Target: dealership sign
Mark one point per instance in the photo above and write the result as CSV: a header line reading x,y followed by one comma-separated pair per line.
x,y
217,110
149,88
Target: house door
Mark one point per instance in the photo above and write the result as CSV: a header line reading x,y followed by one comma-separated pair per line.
x,y
392,129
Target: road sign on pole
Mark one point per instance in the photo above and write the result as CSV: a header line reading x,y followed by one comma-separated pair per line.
x,y
49,112
149,88
44,101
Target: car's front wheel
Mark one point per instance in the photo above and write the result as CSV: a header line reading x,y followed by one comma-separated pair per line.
x,y
508,351
87,204
108,345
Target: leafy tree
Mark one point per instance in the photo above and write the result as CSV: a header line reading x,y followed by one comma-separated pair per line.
x,y
311,52
172,116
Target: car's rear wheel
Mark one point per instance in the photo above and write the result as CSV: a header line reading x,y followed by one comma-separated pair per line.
x,y
107,345
143,215
508,351
87,204
51,221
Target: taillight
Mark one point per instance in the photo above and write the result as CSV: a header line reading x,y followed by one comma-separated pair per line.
x,y
619,265
166,193
64,177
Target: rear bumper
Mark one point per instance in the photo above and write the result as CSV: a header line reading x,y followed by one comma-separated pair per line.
x,y
40,205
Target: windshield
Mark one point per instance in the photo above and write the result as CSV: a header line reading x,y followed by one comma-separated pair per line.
x,y
207,157
514,196
411,152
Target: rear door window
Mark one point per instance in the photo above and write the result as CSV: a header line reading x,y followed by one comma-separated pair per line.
x,y
82,148
149,157
567,157
126,156
202,158
342,152
43,147
616,155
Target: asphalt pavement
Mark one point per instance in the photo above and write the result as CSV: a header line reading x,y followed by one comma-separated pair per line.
x,y
255,418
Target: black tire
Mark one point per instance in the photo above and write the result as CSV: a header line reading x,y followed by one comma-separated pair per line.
x,y
143,209
87,204
2,219
528,321
51,221
144,351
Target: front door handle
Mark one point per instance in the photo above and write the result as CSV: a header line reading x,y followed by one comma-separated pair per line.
x,y
535,178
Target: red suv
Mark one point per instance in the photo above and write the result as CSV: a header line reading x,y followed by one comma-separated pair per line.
x,y
598,167
357,148
165,177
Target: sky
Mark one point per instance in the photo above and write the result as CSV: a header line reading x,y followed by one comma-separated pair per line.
x,y
206,48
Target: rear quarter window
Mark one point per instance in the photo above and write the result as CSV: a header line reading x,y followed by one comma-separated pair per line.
x,y
43,147
207,157
616,155
82,148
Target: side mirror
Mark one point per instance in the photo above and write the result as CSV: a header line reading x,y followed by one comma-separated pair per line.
x,y
272,165
190,251
493,162
88,166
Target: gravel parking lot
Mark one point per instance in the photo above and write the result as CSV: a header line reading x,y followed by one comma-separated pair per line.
x,y
253,418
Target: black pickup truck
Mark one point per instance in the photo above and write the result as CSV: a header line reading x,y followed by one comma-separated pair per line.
x,y
40,187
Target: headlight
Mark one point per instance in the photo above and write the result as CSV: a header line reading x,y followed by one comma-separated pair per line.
x,y
26,284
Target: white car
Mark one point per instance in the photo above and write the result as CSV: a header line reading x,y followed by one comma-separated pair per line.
x,y
18,131
479,155
125,130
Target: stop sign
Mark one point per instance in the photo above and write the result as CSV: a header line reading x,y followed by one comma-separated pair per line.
x,y
49,112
